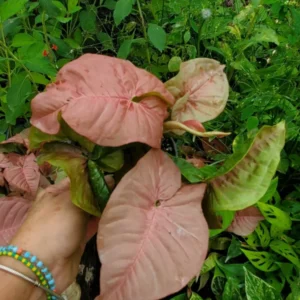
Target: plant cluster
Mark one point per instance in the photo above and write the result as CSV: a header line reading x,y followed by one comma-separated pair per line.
x,y
101,116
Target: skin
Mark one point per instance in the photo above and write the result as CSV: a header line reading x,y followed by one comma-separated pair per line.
x,y
55,231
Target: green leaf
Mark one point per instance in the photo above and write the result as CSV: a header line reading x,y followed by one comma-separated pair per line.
x,y
157,36
64,49
234,250
270,192
123,9
10,8
232,291
187,36
109,159
13,147
71,160
22,39
275,231
262,260
87,19
218,282
276,280
265,34
286,251
180,297
72,4
37,138
227,218
247,173
219,243
174,64
209,263
275,216
263,234
40,65
107,42
258,289
39,78
125,49
289,272
253,240
193,174
51,9
195,296
98,184
252,123
231,270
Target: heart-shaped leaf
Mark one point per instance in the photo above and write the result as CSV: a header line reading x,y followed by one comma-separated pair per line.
x,y
245,221
94,95
263,234
24,176
71,160
247,174
13,211
161,228
201,90
262,260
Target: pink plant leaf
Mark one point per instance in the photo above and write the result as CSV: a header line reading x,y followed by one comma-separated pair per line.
x,y
10,160
13,211
201,90
94,95
2,181
24,176
20,138
245,221
153,237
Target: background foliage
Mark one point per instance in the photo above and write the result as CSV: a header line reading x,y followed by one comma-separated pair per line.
x,y
259,43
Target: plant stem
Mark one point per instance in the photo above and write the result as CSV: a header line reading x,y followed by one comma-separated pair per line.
x,y
199,38
46,36
6,55
144,30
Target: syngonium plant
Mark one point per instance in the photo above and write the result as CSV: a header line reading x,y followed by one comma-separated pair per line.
x,y
105,116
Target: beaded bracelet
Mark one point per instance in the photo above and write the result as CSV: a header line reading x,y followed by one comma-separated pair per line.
x,y
35,265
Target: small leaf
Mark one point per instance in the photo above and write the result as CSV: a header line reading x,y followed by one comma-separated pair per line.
x,y
253,240
246,175
265,34
98,184
263,234
10,8
275,216
232,290
157,36
218,282
123,9
87,19
174,64
51,9
195,296
263,261
125,49
22,39
71,160
257,289
109,159
209,263
286,251
187,36
234,249
252,123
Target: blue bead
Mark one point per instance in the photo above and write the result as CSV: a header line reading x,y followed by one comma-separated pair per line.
x,y
45,270
33,259
27,254
9,247
51,282
15,249
1,248
52,287
48,276
39,264
53,298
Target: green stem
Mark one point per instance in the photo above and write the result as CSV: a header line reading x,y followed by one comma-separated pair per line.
x,y
46,36
6,55
144,30
19,62
252,23
199,38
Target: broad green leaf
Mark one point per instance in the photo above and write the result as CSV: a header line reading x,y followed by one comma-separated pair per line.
x,y
271,191
123,9
234,250
276,280
174,64
214,27
292,207
63,49
195,296
180,297
39,78
71,160
87,20
218,282
157,36
265,34
252,123
106,41
98,185
193,174
187,36
209,263
109,159
275,231
286,251
290,272
231,270
275,216
263,234
10,7
246,175
51,9
232,290
258,289
22,39
72,4
253,240
261,260
40,65
227,217
125,49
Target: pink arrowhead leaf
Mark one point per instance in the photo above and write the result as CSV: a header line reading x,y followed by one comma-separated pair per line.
x,y
152,237
24,176
245,221
13,211
20,138
96,97
10,160
201,90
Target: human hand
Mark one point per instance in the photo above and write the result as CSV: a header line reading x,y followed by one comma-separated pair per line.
x,y
56,231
